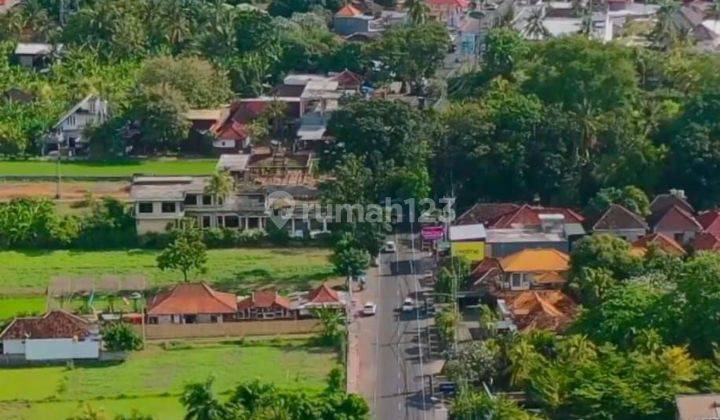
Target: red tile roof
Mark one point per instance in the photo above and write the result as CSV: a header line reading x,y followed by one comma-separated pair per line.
x,y
506,215
617,217
661,241
710,221
192,299
706,241
241,113
264,299
677,219
323,294
662,203
348,11
486,269
348,80
54,324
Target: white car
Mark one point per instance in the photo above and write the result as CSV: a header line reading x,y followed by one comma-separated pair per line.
x,y
408,305
369,309
390,246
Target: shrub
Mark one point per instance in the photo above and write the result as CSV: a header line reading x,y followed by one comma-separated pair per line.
x,y
121,337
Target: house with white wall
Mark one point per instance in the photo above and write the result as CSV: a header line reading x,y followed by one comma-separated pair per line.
x,y
57,335
68,133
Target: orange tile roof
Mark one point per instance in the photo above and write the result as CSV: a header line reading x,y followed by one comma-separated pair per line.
x,y
540,309
549,277
660,240
323,294
348,11
536,260
192,299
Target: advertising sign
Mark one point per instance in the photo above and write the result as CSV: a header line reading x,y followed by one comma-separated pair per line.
x,y
432,233
472,251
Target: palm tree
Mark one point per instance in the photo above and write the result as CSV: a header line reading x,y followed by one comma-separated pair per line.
x,y
506,19
667,30
535,26
417,10
200,402
221,184
586,22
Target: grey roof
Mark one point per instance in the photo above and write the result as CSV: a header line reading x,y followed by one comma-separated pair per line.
x,y
233,162
574,229
467,232
522,235
617,217
163,188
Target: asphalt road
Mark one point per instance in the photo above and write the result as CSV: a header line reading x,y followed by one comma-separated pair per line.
x,y
399,390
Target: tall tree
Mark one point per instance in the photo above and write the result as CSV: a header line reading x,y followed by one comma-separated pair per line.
x,y
186,253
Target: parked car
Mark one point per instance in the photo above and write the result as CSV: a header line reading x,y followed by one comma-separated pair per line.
x,y
390,246
408,305
369,309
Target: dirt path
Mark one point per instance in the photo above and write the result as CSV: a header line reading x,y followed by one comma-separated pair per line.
x,y
70,191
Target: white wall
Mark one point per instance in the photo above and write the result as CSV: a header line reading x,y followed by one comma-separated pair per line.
x,y
61,348
13,347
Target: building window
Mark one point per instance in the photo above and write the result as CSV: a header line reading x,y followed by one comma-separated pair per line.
x,y
145,207
206,199
679,237
191,199
517,282
205,222
253,222
220,200
219,222
232,222
168,207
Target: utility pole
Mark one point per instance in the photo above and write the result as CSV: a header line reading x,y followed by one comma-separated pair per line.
x,y
58,191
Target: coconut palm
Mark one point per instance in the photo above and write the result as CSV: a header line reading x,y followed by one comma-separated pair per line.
x,y
221,184
417,10
201,404
535,26
666,32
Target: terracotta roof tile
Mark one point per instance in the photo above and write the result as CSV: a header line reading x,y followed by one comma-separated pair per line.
x,y
536,260
710,221
504,215
662,203
54,324
675,218
540,309
192,299
617,217
348,11
323,294
662,241
706,241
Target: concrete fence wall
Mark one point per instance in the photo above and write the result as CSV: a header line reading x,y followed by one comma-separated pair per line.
x,y
229,329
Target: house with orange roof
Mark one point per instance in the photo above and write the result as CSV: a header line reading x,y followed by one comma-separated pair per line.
x,y
322,296
532,310
349,20
534,269
266,304
191,303
660,241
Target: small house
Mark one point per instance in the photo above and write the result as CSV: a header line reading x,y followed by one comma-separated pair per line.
x,y
677,223
266,304
36,55
57,335
349,20
619,221
660,241
191,303
69,132
322,296
530,310
534,269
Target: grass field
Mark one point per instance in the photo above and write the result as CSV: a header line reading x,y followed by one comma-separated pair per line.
x,y
108,168
153,379
10,307
23,273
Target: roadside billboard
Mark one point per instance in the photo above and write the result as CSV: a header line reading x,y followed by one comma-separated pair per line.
x,y
432,233
472,251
